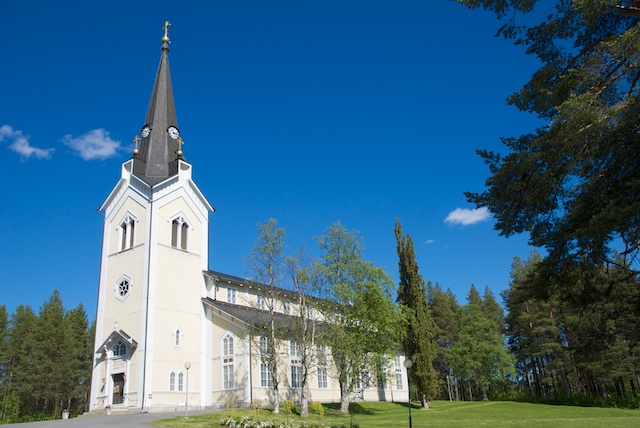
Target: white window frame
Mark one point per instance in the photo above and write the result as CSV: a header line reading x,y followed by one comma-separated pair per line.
x,y
295,363
180,236
227,354
120,349
266,375
120,293
398,367
323,379
177,337
260,302
172,381
126,231
231,295
180,382
286,307
321,361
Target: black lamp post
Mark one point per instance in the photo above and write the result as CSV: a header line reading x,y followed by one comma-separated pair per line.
x,y
408,364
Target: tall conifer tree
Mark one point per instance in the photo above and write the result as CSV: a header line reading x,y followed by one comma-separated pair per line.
x,y
420,340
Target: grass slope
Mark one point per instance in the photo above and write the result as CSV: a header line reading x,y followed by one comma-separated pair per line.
x,y
494,414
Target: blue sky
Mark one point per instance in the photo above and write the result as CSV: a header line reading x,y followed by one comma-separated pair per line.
x,y
307,112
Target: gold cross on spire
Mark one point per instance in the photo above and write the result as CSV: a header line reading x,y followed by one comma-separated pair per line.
x,y
136,141
167,24
180,143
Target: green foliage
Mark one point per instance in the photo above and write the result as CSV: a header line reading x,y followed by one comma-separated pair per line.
x,y
448,414
45,361
573,184
317,407
479,354
363,318
581,349
231,405
288,406
267,266
419,342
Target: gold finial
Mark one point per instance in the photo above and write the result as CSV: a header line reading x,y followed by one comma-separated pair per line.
x,y
136,141
167,24
180,143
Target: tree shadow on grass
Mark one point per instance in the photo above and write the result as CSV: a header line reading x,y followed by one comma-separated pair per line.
x,y
416,406
354,409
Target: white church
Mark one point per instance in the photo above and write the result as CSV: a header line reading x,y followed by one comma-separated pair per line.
x,y
170,332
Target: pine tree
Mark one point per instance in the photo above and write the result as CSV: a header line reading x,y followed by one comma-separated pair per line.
x,y
479,357
420,341
23,363
444,311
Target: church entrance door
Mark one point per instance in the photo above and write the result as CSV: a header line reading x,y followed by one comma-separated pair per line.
x,y
118,388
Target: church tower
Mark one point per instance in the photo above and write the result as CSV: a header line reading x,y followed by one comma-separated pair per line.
x,y
151,328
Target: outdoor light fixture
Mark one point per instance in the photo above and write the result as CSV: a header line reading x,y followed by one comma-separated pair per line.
x,y
408,364
187,366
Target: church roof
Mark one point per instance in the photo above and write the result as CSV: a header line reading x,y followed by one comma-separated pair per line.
x,y
114,337
157,158
250,316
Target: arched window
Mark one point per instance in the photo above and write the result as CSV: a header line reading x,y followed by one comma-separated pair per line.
x,y
127,232
180,382
119,349
177,337
180,233
228,366
172,381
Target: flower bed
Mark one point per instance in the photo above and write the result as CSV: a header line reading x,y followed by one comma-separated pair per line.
x,y
248,422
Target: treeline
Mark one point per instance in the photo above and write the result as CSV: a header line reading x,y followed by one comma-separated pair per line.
x,y
45,361
457,351
576,339
579,345
570,339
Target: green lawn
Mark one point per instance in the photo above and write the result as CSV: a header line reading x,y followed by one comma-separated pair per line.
x,y
494,414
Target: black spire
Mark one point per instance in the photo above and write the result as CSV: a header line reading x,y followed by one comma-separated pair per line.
x,y
157,158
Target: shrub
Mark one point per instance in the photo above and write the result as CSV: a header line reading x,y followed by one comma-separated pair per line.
x,y
287,406
317,407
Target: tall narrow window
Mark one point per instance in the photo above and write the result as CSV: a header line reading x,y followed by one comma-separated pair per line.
x,y
177,337
228,351
266,374
179,233
180,381
398,367
322,377
127,232
321,361
296,364
231,295
286,306
183,236
261,302
172,381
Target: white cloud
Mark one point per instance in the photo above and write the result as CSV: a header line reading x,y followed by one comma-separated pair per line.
x,y
95,144
429,241
466,216
20,144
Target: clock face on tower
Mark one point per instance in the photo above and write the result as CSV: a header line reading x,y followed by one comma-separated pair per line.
x,y
146,130
173,132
